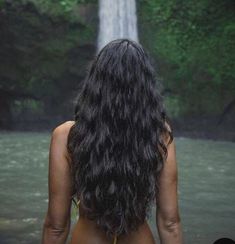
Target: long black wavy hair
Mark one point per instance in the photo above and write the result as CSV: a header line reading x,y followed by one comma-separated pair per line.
x,y
116,143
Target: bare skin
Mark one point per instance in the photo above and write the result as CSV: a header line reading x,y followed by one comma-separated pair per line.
x,y
57,220
86,232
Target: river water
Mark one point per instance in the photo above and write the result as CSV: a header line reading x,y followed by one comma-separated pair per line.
x,y
206,171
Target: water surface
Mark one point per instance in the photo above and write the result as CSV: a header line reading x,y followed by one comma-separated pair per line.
x,y
206,172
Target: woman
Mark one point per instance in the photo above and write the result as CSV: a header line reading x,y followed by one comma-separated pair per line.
x,y
117,158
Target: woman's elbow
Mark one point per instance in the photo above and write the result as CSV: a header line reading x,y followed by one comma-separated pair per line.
x,y
170,230
170,224
54,233
55,230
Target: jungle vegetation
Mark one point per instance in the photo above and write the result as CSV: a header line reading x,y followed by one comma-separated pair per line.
x,y
45,46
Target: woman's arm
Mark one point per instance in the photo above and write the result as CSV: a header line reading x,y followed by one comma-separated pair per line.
x,y
167,215
57,221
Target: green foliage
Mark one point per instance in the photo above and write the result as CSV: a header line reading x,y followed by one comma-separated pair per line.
x,y
29,106
193,42
45,45
43,56
68,9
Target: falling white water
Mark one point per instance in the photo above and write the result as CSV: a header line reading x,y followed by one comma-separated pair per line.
x,y
117,19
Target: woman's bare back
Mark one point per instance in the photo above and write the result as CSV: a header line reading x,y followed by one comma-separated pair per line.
x,y
57,220
86,232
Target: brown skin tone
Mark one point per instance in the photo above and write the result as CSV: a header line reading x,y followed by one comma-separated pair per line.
x,y
167,214
57,221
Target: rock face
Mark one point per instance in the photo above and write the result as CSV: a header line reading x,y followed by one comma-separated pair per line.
x,y
117,19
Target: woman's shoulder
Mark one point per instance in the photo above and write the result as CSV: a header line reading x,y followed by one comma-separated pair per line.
x,y
63,129
60,132
59,135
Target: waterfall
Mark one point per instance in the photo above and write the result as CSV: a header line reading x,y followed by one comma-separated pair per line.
x,y
117,19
